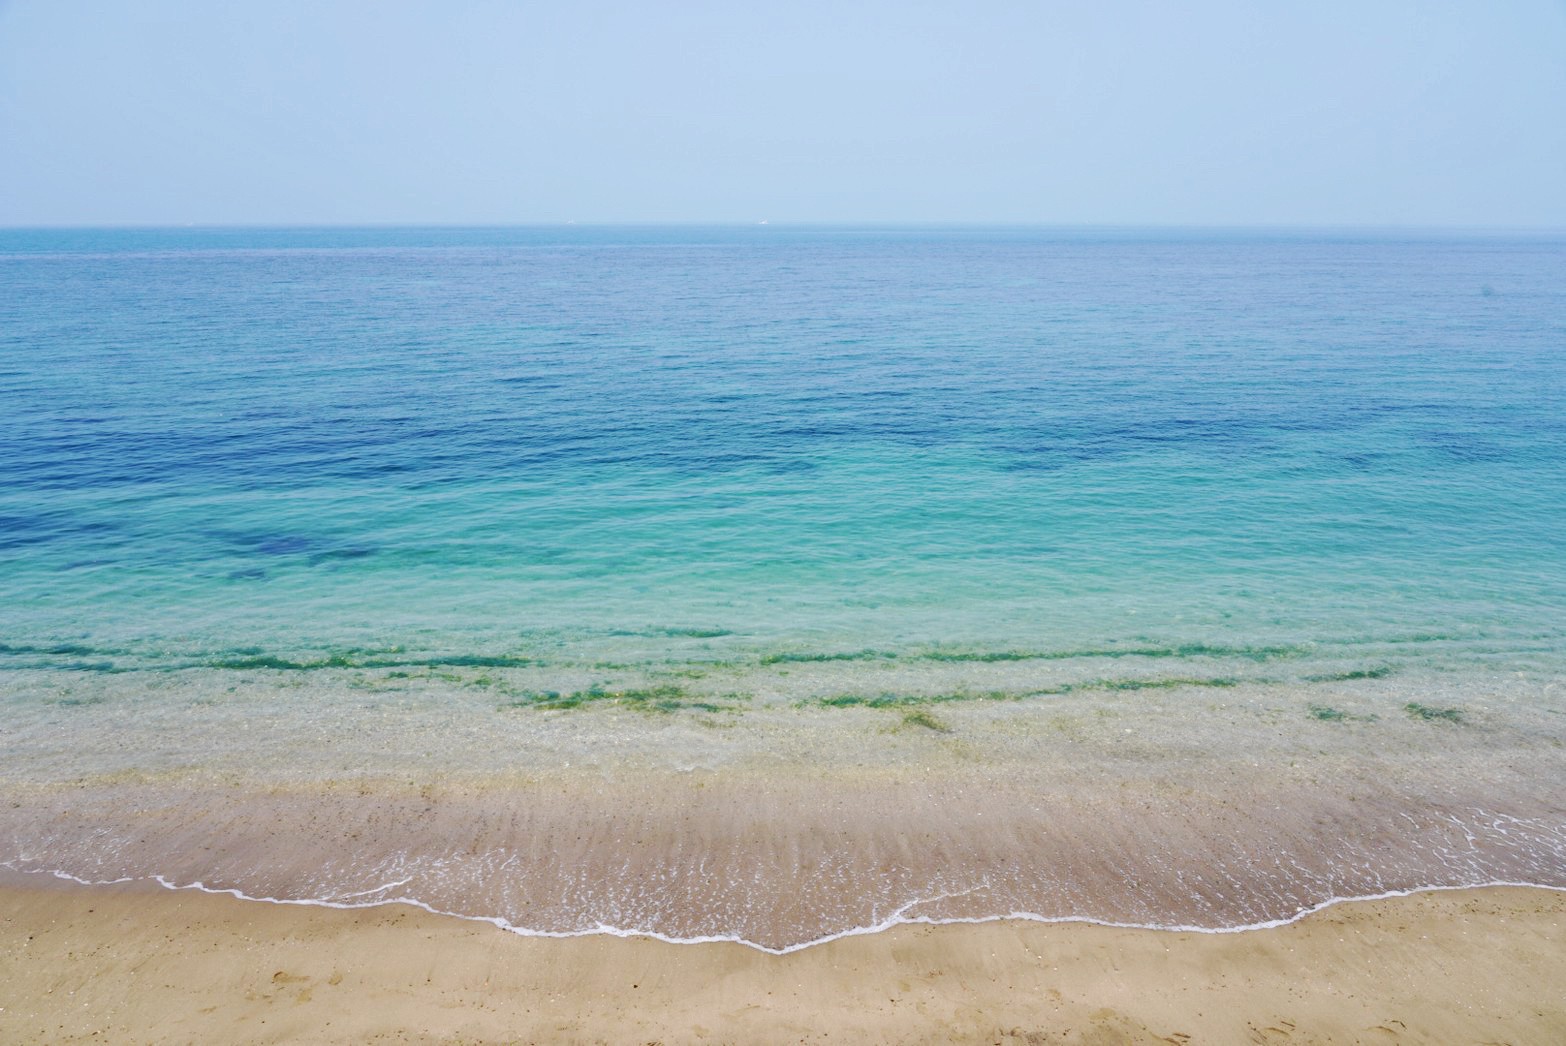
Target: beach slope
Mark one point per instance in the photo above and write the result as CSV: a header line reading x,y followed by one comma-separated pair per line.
x,y
136,964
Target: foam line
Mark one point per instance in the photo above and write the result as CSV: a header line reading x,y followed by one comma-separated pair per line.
x,y
897,918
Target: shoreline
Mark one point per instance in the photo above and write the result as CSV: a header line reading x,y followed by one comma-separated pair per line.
x,y
1015,811
138,963
10,877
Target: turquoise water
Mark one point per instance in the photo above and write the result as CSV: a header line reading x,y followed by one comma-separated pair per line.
x,y
652,445
770,584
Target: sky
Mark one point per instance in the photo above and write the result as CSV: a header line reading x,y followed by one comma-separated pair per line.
x,y
1325,113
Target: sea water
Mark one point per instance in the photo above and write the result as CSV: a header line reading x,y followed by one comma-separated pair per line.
x,y
723,476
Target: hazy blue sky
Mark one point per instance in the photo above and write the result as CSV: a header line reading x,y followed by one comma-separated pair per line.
x,y
1110,112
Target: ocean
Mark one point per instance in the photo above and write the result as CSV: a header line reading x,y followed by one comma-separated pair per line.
x,y
776,583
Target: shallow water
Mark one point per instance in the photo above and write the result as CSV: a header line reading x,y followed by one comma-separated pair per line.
x,y
479,512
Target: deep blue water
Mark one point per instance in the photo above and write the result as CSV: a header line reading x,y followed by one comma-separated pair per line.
x,y
691,443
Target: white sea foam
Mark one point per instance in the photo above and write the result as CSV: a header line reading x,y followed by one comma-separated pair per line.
x,y
899,917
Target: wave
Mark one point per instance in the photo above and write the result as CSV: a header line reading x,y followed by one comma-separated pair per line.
x,y
900,917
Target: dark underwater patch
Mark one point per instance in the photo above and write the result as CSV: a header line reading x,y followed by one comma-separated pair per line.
x,y
1430,714
1185,650
1380,672
253,661
790,657
339,554
664,698
55,649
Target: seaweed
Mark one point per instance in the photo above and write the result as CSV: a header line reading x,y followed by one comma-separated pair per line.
x,y
1158,684
1260,653
925,720
906,700
664,698
853,655
1428,713
1380,672
1328,714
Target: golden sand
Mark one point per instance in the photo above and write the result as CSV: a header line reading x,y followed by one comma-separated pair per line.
x,y
145,965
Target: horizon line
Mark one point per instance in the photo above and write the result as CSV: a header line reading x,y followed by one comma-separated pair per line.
x,y
1363,227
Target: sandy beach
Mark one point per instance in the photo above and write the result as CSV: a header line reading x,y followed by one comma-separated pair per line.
x,y
134,964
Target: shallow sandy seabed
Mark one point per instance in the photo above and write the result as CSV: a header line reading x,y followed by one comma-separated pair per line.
x,y
138,965
1169,808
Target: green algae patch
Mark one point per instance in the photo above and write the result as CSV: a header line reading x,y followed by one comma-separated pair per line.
x,y
664,698
1159,684
108,668
361,660
1328,714
279,664
906,700
54,649
467,661
926,721
543,699
1181,650
1429,714
851,700
1380,672
805,657
914,714
888,700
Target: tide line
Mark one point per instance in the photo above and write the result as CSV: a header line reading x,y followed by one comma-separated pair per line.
x,y
899,917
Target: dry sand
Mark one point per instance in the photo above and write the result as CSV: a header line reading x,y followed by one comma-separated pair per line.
x,y
144,965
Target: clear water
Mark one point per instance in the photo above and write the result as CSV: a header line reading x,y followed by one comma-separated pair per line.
x,y
680,442
1229,515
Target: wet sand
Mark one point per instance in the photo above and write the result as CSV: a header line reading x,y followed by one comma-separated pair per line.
x,y
144,965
